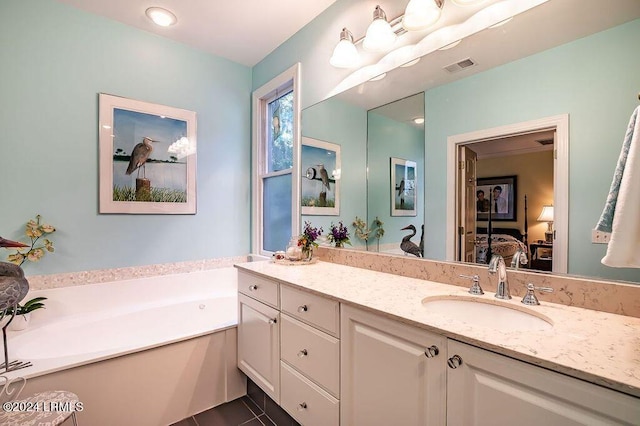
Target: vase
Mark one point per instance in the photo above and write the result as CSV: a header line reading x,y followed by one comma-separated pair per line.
x,y
339,244
293,251
20,322
307,254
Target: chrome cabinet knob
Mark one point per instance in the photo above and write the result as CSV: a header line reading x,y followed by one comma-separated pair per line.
x,y
273,321
302,406
303,308
431,351
454,362
302,353
253,287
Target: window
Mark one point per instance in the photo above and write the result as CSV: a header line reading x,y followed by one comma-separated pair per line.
x,y
276,141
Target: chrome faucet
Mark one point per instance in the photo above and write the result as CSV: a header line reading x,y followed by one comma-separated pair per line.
x,y
519,258
497,265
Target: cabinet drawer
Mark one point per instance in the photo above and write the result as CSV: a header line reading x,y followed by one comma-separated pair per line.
x,y
305,401
312,352
258,288
315,310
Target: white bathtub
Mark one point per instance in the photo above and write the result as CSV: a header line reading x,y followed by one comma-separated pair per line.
x,y
182,322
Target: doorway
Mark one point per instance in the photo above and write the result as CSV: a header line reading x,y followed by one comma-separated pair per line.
x,y
494,145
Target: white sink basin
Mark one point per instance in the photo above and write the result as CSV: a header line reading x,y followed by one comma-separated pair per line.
x,y
487,313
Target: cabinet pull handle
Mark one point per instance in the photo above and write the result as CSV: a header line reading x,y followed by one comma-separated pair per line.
x,y
303,308
273,321
253,287
302,353
431,351
454,362
302,406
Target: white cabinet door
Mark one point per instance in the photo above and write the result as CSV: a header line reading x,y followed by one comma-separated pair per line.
x,y
259,344
489,389
386,376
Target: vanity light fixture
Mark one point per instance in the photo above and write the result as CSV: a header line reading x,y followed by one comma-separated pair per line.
x,y
466,2
161,17
345,54
411,63
380,36
546,215
379,77
501,23
421,14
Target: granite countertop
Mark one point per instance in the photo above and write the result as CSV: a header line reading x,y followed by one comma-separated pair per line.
x,y
598,347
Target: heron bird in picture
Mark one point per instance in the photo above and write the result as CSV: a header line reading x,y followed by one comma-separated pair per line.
x,y
407,245
139,156
324,177
13,288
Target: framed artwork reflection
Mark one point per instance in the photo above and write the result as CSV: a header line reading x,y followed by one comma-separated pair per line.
x,y
147,157
320,177
496,196
403,187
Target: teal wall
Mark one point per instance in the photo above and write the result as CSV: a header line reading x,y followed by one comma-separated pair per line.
x,y
595,80
343,124
55,59
388,138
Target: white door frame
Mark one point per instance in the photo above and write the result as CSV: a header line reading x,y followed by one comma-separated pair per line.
x,y
559,123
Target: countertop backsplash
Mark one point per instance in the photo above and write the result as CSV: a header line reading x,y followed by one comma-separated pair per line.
x,y
605,296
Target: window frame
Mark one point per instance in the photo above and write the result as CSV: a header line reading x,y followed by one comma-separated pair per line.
x,y
288,80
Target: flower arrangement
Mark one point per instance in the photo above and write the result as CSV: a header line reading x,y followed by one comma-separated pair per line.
x,y
339,235
34,230
307,240
363,232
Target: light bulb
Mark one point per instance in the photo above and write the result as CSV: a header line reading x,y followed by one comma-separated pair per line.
x,y
345,54
161,16
420,15
380,36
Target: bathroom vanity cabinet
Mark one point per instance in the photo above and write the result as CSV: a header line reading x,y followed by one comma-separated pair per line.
x,y
290,347
393,373
258,332
335,360
504,391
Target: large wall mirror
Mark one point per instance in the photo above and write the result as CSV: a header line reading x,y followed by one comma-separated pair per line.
x,y
555,60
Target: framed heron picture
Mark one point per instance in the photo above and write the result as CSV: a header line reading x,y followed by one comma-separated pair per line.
x,y
403,187
147,157
320,177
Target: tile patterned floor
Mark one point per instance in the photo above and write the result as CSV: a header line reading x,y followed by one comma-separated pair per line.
x,y
254,409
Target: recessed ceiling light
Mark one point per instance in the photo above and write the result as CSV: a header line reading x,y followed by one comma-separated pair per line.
x,y
161,16
418,120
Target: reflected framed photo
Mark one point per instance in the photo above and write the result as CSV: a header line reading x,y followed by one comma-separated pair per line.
x,y
147,157
496,197
320,177
403,187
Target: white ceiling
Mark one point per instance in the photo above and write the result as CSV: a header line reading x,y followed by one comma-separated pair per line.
x,y
244,31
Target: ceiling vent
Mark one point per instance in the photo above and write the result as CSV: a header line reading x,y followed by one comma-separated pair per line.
x,y
459,66
545,141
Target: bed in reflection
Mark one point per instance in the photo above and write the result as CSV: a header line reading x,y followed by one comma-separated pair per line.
x,y
504,241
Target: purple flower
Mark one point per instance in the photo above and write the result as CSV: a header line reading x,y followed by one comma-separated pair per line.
x,y
339,234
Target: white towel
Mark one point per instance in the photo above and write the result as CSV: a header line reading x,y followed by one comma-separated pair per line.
x,y
623,250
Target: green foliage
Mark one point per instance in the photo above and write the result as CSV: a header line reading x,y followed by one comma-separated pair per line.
x,y
34,230
316,202
158,195
281,145
31,305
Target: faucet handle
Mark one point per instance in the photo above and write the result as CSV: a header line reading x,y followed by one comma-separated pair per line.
x,y
475,287
530,298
